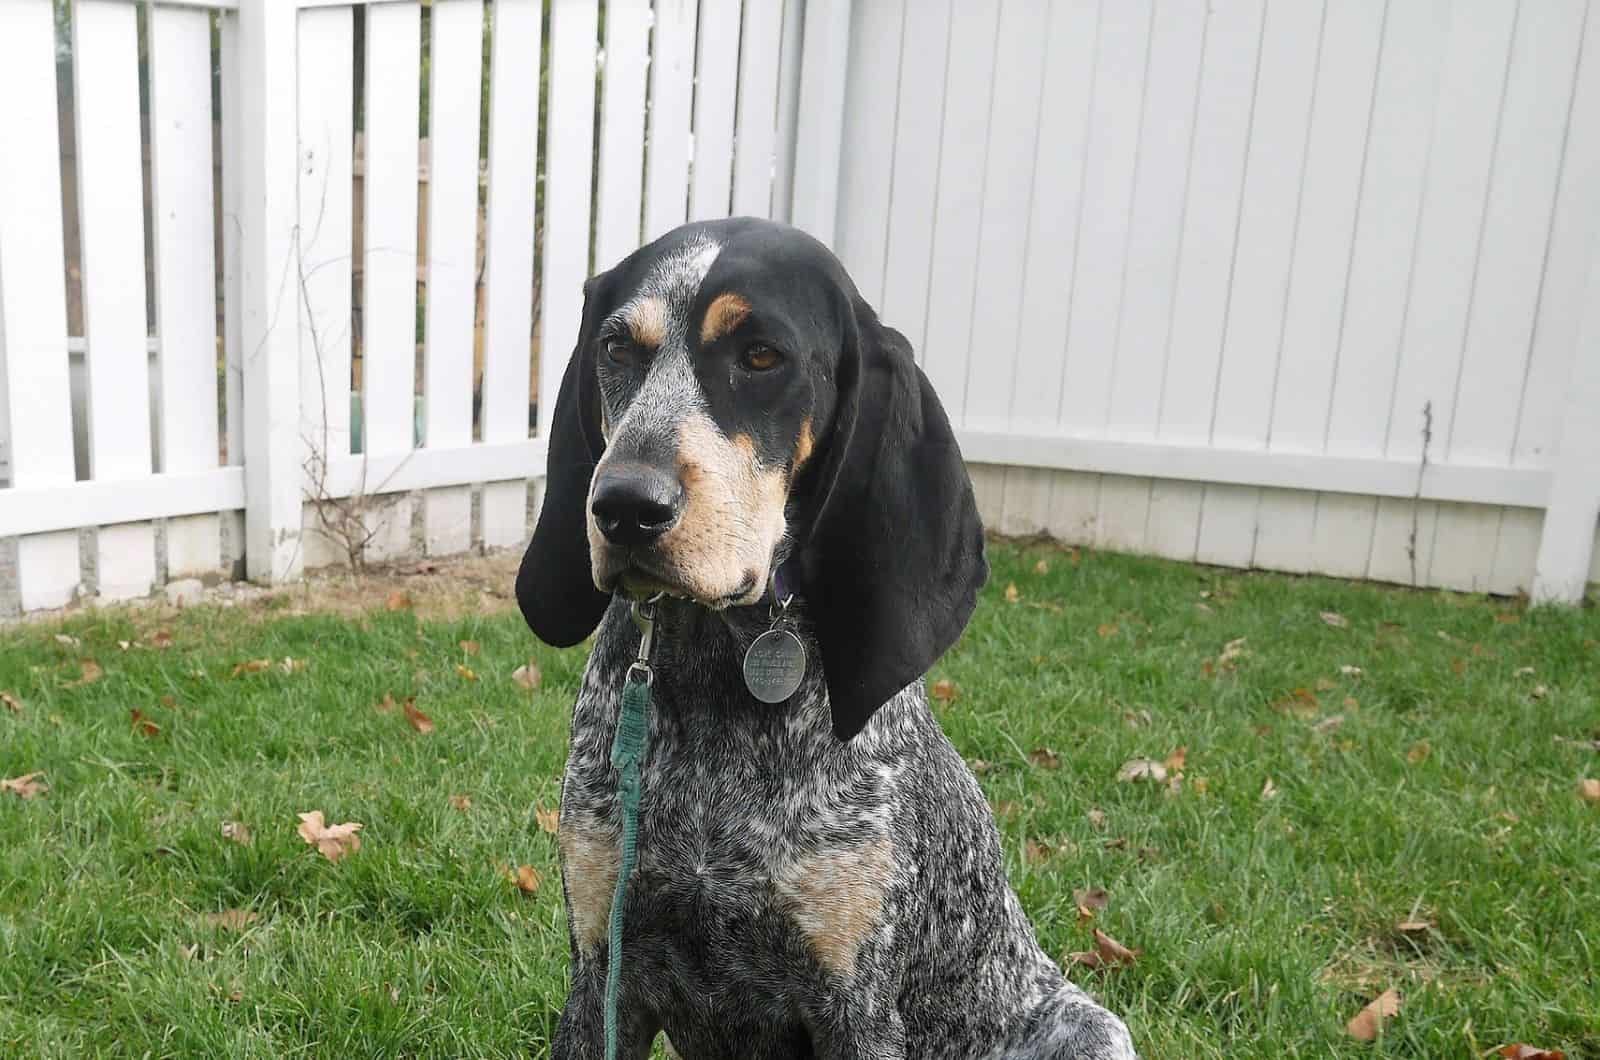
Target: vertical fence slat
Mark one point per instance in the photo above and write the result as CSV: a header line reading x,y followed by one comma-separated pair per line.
x,y
1575,228
1122,56
983,399
824,57
919,122
1273,171
1446,257
867,163
671,88
508,263
570,138
716,84
185,274
789,73
620,194
1176,45
1047,272
33,307
456,64
1516,232
111,207
389,255
953,269
758,99
232,361
325,105
274,453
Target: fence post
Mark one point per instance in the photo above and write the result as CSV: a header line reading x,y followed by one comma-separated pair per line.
x,y
1567,542
269,288
824,69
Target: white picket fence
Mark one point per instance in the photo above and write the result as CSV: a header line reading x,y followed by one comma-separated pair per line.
x,y
1308,284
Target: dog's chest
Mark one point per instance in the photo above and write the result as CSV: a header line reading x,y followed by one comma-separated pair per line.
x,y
751,854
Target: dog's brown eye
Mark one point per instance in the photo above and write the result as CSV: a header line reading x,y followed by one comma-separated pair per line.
x,y
761,359
621,351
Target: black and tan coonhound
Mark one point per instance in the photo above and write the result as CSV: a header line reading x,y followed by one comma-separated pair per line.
x,y
819,877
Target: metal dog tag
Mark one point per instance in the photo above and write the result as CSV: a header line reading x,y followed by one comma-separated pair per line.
x,y
774,666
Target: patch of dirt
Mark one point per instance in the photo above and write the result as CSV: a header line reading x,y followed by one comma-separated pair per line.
x,y
444,588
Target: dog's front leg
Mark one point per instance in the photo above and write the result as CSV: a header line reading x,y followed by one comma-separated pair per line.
x,y
856,1030
581,1034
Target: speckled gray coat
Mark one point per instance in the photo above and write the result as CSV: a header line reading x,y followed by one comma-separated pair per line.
x,y
797,896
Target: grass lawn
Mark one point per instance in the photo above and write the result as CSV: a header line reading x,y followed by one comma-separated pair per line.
x,y
1439,785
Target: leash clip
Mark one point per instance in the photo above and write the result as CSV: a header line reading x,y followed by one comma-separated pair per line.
x,y
644,616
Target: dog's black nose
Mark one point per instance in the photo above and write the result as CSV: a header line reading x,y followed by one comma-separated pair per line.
x,y
634,504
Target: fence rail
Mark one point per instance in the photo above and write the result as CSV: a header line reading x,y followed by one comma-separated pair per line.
x,y
1300,284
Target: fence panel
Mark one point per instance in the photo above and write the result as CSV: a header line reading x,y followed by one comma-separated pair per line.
x,y
34,383
757,130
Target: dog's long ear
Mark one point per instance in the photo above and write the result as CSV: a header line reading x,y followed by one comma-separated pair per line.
x,y
555,589
894,560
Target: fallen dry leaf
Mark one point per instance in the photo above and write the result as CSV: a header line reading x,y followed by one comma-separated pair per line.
x,y
1042,567
1301,703
88,672
1522,671
1351,671
237,832
11,702
1419,752
1135,718
1107,953
944,690
332,841
143,725
292,666
1269,790
1414,927
1044,758
1365,1025
1589,789
1012,594
419,721
399,600
69,641
1328,724
1539,692
466,673
471,647
25,786
1335,619
1091,897
253,666
161,639
527,879
528,675
1097,818
1231,652
979,765
1142,769
1036,850
387,705
549,820
1176,759
461,802
232,919
1528,1052
1107,629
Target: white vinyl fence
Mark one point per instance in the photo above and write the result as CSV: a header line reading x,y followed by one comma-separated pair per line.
x,y
1301,284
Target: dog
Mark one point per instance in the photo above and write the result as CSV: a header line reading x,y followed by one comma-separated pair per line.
x,y
820,877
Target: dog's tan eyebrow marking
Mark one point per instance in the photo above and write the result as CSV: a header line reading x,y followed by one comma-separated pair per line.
x,y
804,445
647,321
726,312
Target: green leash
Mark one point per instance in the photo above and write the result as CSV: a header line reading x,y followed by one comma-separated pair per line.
x,y
627,751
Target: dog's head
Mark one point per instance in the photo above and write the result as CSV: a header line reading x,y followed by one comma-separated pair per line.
x,y
732,397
